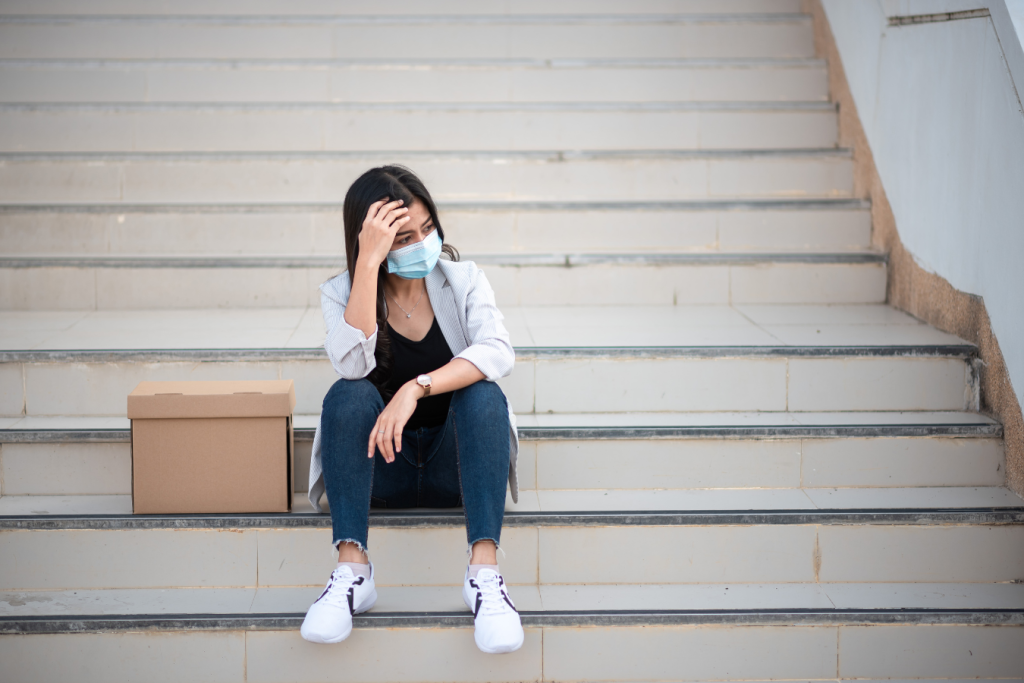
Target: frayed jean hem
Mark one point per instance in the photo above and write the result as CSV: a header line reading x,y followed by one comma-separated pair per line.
x,y
356,543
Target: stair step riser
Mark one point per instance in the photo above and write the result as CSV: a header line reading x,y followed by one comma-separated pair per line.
x,y
472,232
320,39
577,385
326,8
786,553
122,288
481,178
624,653
65,469
412,83
63,129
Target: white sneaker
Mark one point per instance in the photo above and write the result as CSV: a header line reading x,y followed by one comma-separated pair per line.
x,y
329,619
498,628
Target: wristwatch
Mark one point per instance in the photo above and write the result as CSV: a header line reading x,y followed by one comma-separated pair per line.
x,y
424,381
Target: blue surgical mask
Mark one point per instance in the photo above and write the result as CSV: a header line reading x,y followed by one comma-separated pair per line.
x,y
416,260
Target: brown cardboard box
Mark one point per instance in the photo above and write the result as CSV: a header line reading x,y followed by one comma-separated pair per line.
x,y
212,446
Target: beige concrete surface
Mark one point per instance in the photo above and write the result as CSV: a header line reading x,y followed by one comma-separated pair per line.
x,y
261,231
202,657
412,82
101,8
498,176
911,288
565,386
55,287
289,128
741,37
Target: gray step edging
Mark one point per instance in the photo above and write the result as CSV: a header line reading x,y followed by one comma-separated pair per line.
x,y
959,351
535,619
234,63
452,107
318,19
811,204
569,433
456,519
514,260
335,155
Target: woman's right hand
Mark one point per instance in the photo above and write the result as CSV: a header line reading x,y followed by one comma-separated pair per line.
x,y
378,234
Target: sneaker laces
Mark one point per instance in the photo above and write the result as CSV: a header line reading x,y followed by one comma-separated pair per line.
x,y
340,589
490,596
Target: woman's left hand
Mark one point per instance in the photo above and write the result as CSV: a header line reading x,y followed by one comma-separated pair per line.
x,y
387,431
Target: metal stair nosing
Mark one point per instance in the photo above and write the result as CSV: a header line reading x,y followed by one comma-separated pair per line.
x,y
590,518
536,619
305,434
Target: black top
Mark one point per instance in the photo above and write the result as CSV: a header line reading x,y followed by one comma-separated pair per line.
x,y
415,358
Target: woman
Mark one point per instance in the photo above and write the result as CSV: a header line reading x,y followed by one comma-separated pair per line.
x,y
416,419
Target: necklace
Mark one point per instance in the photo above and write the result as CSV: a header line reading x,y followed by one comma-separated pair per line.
x,y
408,314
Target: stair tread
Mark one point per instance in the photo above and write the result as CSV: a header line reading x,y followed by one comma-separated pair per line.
x,y
103,157
528,598
529,326
447,107
548,15
622,500
421,64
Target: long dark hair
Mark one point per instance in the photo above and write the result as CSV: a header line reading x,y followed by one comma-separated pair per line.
x,y
391,183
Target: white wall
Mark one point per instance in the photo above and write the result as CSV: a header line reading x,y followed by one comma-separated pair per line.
x,y
941,106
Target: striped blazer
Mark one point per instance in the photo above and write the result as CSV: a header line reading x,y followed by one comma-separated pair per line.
x,y
463,304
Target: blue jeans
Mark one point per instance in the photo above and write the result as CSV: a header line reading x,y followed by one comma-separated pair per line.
x,y
462,462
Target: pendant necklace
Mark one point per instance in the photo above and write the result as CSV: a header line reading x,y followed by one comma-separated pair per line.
x,y
408,314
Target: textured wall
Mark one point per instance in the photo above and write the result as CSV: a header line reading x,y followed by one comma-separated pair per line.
x,y
929,292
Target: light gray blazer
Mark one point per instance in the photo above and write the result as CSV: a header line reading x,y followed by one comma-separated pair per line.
x,y
463,304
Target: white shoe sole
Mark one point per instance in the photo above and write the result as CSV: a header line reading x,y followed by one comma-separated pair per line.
x,y
502,650
498,651
362,608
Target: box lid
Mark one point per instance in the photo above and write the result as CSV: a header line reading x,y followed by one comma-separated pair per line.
x,y
262,398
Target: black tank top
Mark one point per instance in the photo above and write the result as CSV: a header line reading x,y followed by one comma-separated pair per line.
x,y
415,358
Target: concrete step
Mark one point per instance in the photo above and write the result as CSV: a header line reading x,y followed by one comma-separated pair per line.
x,y
614,501
584,644
803,545
58,610
175,282
700,80
731,328
402,37
83,456
700,379
315,229
128,179
398,7
397,126
661,359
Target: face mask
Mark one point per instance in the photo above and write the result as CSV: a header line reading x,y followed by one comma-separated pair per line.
x,y
416,260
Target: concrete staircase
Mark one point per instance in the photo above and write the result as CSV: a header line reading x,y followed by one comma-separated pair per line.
x,y
757,471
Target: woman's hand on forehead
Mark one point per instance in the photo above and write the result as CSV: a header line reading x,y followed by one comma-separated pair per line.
x,y
383,219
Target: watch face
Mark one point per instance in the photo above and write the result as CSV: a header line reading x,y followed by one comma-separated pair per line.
x,y
423,380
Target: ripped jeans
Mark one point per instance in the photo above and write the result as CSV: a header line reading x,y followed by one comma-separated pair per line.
x,y
463,462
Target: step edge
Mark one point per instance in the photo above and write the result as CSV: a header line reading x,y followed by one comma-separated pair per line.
x,y
510,260
458,107
334,19
305,435
964,351
558,155
738,204
985,517
142,63
563,618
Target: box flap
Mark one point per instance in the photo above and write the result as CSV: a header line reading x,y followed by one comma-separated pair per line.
x,y
261,398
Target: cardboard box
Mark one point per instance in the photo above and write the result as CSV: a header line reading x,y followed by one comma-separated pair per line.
x,y
212,446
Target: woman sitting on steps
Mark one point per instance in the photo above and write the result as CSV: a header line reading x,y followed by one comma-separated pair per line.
x,y
416,419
